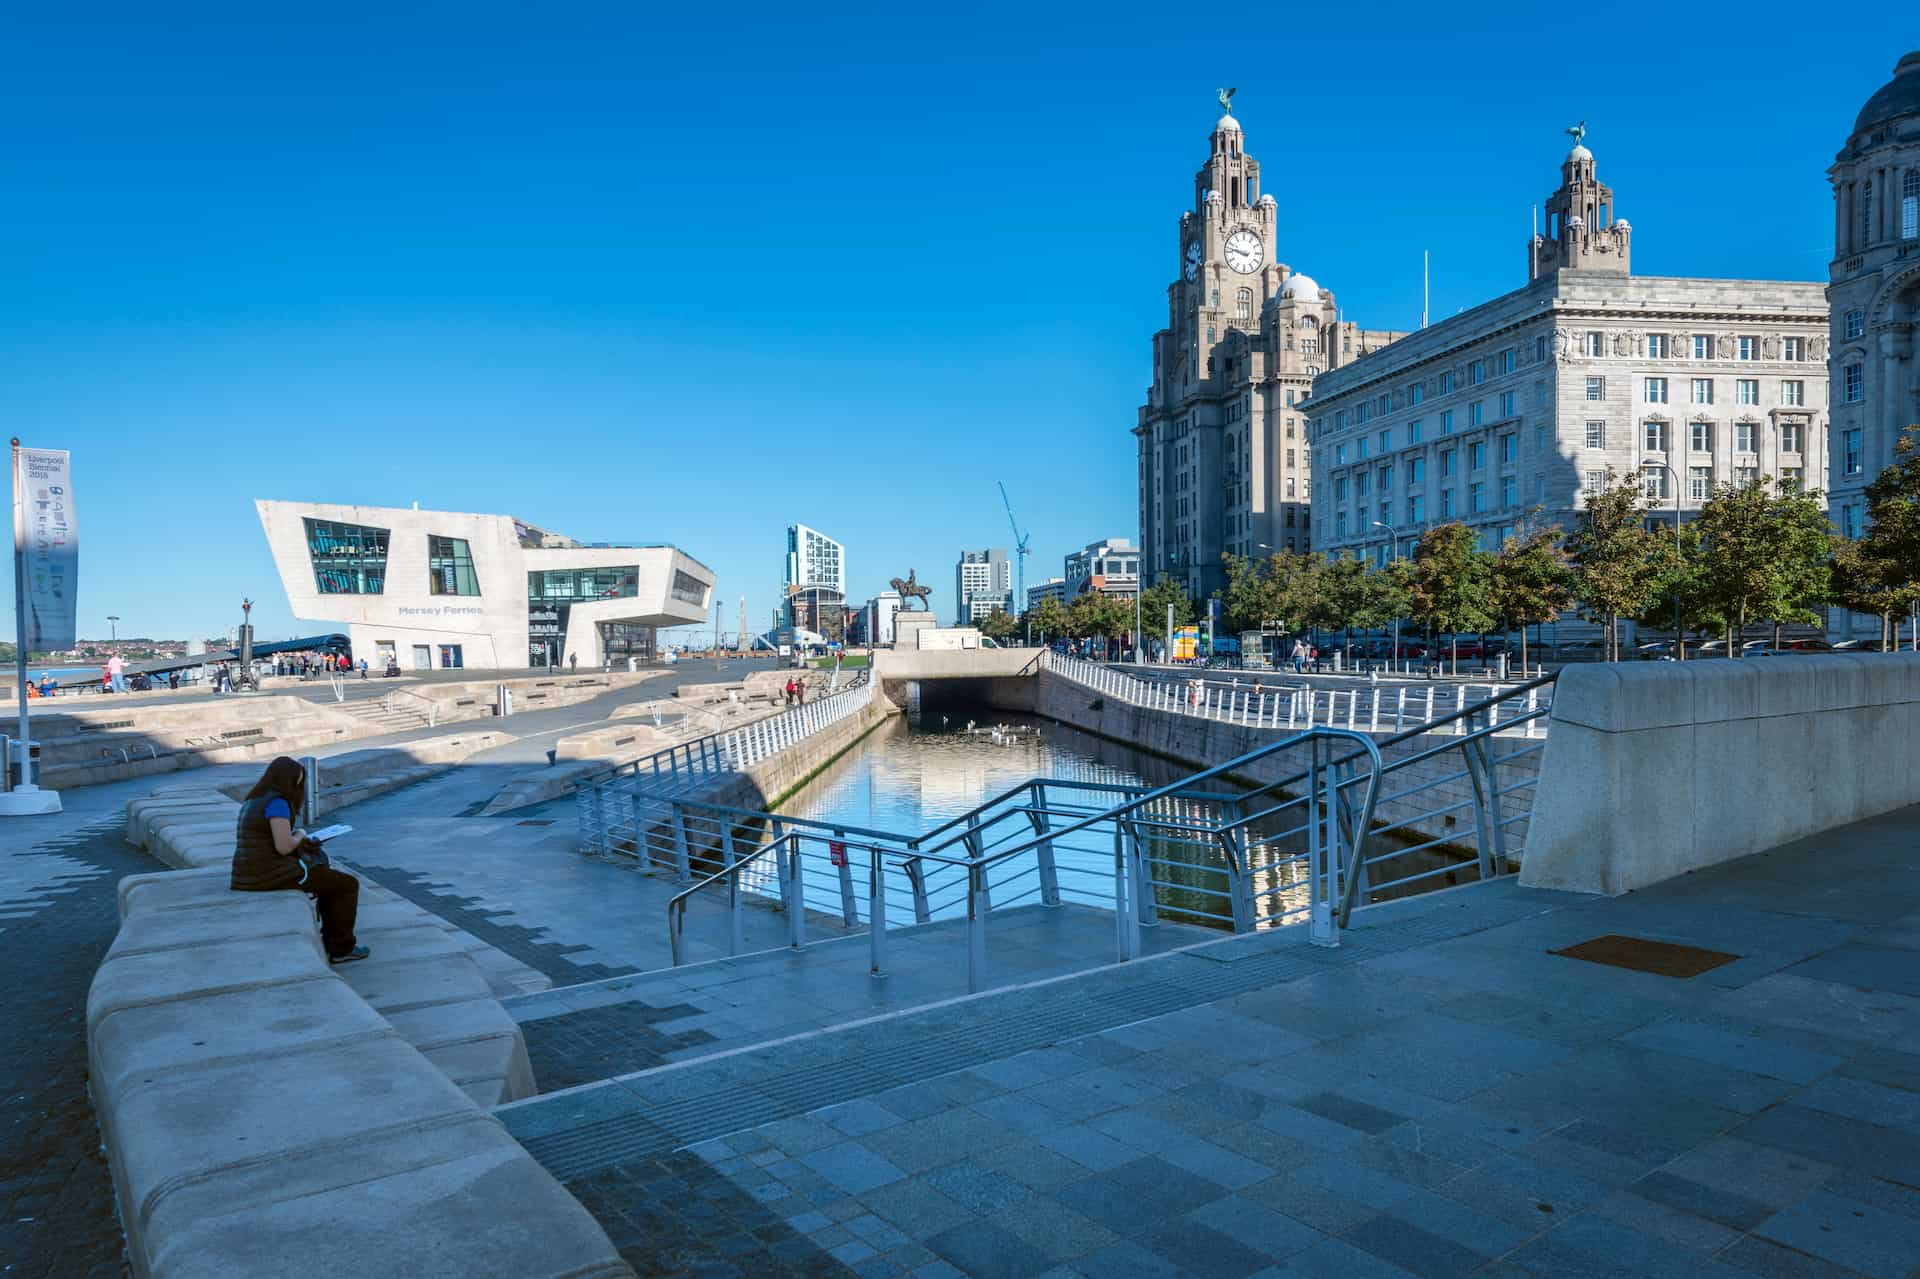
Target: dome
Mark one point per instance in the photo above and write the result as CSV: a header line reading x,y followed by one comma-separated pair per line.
x,y
1623,224
1300,286
1266,199
1579,152
1226,124
1897,97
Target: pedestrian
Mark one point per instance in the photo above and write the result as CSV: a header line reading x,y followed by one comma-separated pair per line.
x,y
363,668
789,690
1299,657
173,679
117,672
573,661
271,854
800,691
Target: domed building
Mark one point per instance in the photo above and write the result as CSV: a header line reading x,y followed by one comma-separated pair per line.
x,y
1875,292
1223,465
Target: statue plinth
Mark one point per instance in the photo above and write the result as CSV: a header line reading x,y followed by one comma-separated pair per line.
x,y
907,625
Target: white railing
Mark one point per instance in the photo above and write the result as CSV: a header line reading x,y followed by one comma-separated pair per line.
x,y
1290,708
391,701
614,805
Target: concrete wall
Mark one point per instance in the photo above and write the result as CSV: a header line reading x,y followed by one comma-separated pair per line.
x,y
1659,768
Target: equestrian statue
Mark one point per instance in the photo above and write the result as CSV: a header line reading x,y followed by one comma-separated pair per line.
x,y
909,589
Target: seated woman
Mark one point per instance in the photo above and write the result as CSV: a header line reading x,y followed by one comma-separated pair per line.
x,y
267,857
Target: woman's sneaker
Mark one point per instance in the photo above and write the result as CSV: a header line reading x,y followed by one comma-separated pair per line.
x,y
358,952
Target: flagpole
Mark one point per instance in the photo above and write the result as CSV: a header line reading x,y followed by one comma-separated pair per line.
x,y
24,799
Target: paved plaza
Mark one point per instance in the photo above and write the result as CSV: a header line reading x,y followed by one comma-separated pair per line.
x,y
1442,1095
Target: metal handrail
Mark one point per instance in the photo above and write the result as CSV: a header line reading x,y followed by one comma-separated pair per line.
x,y
433,709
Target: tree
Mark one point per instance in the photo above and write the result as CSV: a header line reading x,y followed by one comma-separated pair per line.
x,y
1529,581
1862,581
1448,587
997,626
1047,618
1252,594
1098,616
1618,565
1764,554
1682,593
1153,606
1893,536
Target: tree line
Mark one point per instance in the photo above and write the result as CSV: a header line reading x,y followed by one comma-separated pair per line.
x,y
1758,553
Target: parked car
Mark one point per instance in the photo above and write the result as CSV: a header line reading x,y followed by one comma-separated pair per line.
x,y
1808,646
1658,651
1464,647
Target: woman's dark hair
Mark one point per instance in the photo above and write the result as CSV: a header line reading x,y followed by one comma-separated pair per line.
x,y
285,778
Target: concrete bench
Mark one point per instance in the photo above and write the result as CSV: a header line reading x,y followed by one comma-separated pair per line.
x,y
258,1108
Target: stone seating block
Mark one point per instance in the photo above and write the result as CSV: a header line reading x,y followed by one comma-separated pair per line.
x,y
392,986
129,981
398,942
490,1210
472,1040
147,1041
174,890
271,915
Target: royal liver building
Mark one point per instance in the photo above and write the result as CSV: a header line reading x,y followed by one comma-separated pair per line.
x,y
1223,453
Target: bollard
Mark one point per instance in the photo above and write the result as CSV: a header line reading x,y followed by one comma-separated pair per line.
x,y
311,800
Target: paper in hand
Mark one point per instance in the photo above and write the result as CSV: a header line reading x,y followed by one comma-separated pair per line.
x,y
324,834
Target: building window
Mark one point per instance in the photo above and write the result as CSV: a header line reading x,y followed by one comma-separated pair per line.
x,y
1792,349
1703,390
1596,388
1476,498
1746,476
1360,481
1853,324
689,589
1592,482
1386,440
1540,348
1596,435
1791,437
1476,413
348,559
1596,343
1476,372
1243,305
1416,508
1340,524
1749,347
1656,390
1339,488
1446,383
1703,346
1289,486
1793,393
1746,390
1509,360
1476,455
1384,404
1656,346
1360,449
1793,478
450,567
1339,455
1850,453
1851,383
1699,481
1506,404
1655,479
1701,440
1386,479
1509,447
1210,328
1289,457
1416,470
1413,393
1413,431
1446,504
1910,206
1743,437
1509,494
1656,437
1446,421
1446,461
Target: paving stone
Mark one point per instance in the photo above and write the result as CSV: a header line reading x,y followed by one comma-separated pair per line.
x,y
982,1250
1273,1233
1336,1259
1758,1056
977,1189
1848,1233
1202,1250
1114,1198
852,1167
915,1207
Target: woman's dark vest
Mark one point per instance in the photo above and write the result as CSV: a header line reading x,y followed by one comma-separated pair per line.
x,y
257,864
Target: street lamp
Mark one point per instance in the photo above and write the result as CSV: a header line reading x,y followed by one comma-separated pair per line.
x,y
1679,645
113,627
1393,553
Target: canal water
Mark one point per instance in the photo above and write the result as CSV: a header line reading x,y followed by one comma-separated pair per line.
x,y
910,776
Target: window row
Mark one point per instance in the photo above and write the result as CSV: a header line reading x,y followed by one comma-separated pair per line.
x,y
1656,436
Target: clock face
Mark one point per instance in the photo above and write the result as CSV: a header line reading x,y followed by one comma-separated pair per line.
x,y
1244,252
1193,260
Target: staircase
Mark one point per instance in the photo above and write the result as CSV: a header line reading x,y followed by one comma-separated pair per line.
x,y
384,719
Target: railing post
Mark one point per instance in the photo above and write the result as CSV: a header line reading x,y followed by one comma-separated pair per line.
x,y
975,851
796,895
877,912
1146,902
1429,718
1373,716
849,908
917,881
1239,881
1533,705
1459,704
1323,850
1126,920
1042,822
1489,834
682,855
1400,710
736,923
976,927
779,835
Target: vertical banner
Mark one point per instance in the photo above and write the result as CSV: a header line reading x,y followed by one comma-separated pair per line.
x,y
46,540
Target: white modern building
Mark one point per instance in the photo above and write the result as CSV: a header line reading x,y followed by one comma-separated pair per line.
x,y
429,589
1111,567
1054,588
1524,403
982,582
814,559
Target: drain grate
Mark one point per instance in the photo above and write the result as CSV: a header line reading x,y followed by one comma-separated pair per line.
x,y
1644,955
537,821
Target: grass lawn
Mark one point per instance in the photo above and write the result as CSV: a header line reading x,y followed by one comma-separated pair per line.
x,y
826,663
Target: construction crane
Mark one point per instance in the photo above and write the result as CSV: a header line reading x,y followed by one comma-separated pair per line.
x,y
1020,553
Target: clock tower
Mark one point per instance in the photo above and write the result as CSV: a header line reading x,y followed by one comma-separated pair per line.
x,y
1227,266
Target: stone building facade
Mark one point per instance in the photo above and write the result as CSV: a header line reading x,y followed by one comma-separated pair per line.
x,y
1222,448
1527,400
1875,292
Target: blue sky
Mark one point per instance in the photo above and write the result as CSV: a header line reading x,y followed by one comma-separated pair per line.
x,y
653,274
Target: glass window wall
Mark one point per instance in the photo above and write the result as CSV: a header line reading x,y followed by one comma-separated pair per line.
x,y
450,567
348,559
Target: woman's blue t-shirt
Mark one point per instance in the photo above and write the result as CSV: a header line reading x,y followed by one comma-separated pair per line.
x,y
278,807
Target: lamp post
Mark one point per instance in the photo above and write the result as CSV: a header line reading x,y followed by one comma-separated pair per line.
x,y
1393,553
1679,644
113,627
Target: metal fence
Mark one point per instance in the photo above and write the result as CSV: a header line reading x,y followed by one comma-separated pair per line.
x,y
1313,843
1377,708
